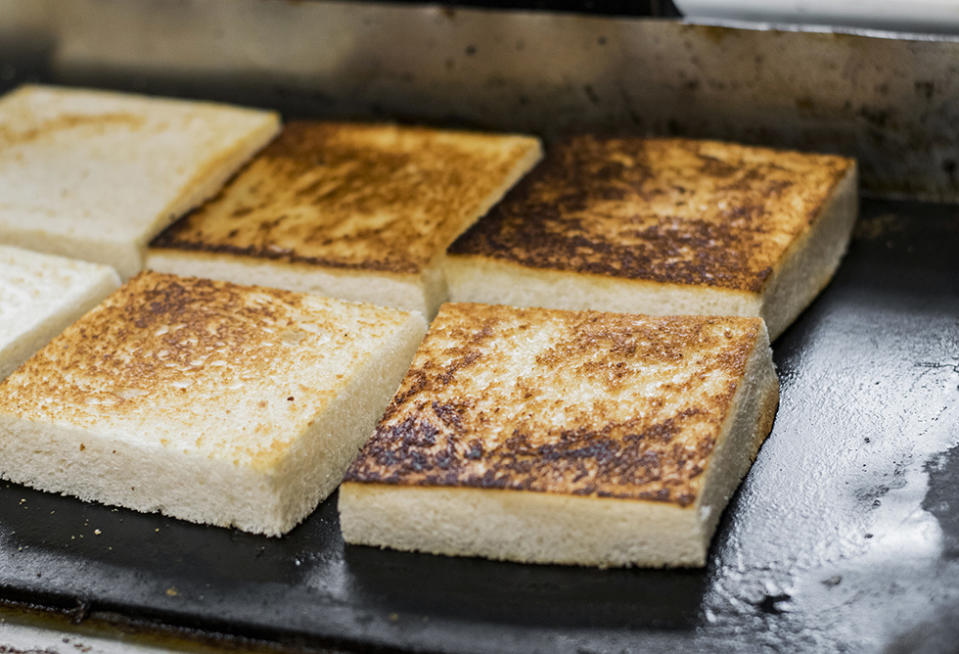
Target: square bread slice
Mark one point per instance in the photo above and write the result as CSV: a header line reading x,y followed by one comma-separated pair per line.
x,y
546,436
40,294
207,401
360,212
663,226
95,175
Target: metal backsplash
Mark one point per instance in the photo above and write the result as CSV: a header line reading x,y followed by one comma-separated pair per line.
x,y
890,101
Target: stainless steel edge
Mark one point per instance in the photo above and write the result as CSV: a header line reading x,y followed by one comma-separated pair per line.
x,y
889,100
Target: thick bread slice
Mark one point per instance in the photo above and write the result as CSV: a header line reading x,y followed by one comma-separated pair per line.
x,y
40,294
548,436
95,175
663,226
422,292
215,403
361,212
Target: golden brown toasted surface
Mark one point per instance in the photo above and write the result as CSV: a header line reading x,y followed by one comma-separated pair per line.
x,y
375,197
584,403
208,368
666,210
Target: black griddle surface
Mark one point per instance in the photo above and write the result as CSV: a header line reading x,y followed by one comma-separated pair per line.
x,y
844,536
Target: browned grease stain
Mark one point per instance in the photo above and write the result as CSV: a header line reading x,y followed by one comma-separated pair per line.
x,y
352,196
482,407
10,137
665,210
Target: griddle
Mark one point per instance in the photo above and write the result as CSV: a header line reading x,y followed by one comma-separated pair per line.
x,y
843,537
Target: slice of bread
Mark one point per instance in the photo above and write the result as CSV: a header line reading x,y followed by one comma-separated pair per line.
x,y
211,402
547,436
361,212
40,294
95,175
663,226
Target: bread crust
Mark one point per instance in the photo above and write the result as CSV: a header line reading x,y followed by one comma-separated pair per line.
x,y
356,197
676,211
580,403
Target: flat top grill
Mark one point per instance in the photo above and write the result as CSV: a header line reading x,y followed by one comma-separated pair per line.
x,y
844,534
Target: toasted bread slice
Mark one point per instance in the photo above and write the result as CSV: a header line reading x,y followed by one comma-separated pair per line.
x,y
95,175
211,402
547,436
663,226
361,212
40,294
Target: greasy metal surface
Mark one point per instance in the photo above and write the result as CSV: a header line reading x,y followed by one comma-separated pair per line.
x,y
888,101
845,535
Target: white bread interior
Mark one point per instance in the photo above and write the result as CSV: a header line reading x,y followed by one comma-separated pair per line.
x,y
812,258
422,293
95,175
40,294
804,270
485,280
539,527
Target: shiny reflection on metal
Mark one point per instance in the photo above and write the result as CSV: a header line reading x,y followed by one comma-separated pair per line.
x,y
917,15
811,28
891,102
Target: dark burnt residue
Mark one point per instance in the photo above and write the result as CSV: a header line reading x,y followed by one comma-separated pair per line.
x,y
664,210
608,405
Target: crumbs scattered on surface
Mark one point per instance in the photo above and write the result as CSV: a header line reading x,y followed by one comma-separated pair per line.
x,y
875,227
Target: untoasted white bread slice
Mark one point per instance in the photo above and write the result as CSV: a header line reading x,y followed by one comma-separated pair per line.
x,y
40,294
547,436
207,401
361,212
95,175
663,226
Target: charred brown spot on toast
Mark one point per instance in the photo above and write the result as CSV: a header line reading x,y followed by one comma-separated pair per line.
x,y
176,320
665,210
243,367
372,197
610,405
